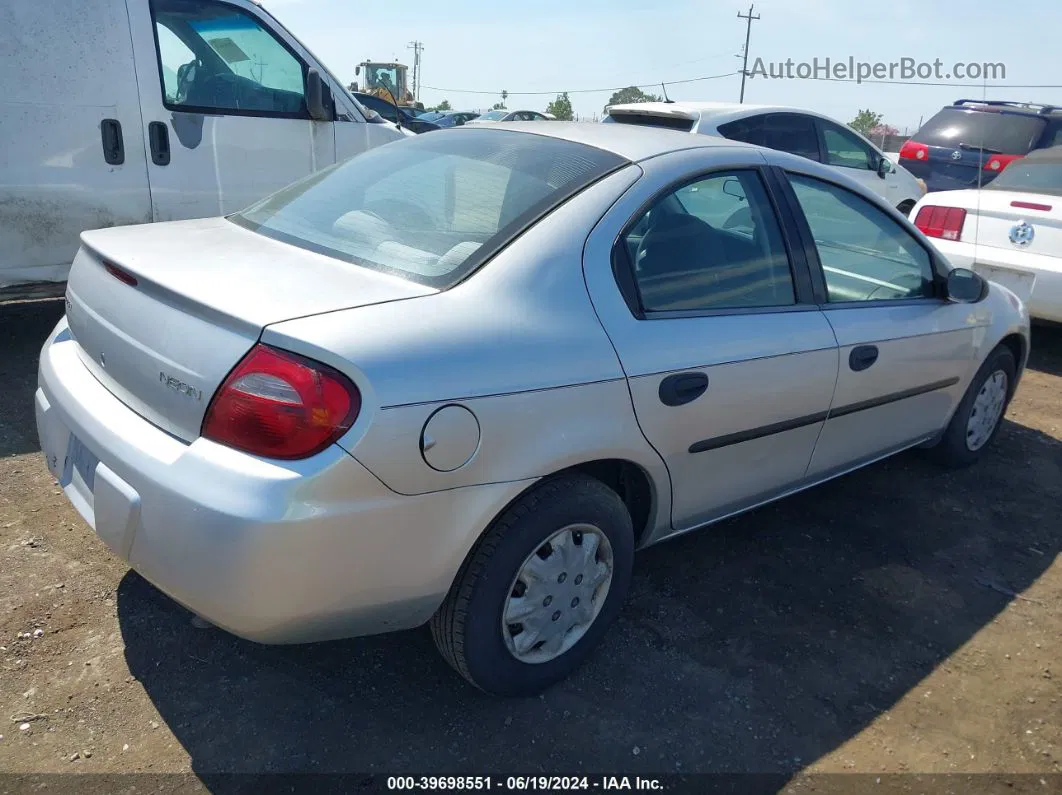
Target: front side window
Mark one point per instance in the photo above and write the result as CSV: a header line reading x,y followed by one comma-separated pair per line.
x,y
865,254
793,133
433,208
216,57
845,149
709,245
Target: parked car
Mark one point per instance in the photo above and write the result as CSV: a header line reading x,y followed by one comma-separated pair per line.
x,y
1009,232
454,118
406,118
461,378
800,132
153,111
967,144
494,116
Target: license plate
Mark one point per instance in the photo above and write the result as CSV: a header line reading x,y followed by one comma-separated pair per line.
x,y
83,462
1018,282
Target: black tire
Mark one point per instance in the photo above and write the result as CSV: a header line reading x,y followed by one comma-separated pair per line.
x,y
906,207
467,628
952,450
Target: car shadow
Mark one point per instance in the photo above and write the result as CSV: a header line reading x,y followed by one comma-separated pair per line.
x,y
1046,353
23,329
757,646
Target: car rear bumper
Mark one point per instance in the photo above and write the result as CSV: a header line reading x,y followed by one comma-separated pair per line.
x,y
275,552
1038,276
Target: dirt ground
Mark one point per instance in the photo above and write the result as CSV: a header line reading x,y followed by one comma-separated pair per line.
x,y
902,618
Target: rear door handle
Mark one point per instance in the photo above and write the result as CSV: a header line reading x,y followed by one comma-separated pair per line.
x,y
862,357
113,146
682,388
159,140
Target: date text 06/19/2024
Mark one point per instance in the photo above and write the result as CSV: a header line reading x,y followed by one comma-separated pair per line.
x,y
521,783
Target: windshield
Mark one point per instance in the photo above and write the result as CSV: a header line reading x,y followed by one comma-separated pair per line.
x,y
1031,176
1003,133
431,208
495,115
430,115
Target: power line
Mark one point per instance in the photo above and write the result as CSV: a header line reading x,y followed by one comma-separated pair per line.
x,y
581,90
748,35
929,83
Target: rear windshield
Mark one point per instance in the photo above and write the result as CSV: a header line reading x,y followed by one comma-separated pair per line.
x,y
647,120
431,208
1032,176
1005,133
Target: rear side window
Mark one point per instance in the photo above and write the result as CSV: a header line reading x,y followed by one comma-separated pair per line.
x,y
712,244
1006,133
648,120
749,130
431,208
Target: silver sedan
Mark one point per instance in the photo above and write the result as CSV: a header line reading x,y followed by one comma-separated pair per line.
x,y
461,378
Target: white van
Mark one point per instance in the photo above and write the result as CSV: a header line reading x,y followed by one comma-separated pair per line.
x,y
128,111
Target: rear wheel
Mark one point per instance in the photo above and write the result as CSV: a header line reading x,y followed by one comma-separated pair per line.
x,y
906,207
540,589
980,414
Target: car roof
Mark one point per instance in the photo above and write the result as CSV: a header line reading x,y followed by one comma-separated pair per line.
x,y
629,141
1008,106
717,112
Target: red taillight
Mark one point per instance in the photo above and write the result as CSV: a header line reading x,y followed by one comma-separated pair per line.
x,y
997,163
280,405
942,222
121,275
1031,206
912,150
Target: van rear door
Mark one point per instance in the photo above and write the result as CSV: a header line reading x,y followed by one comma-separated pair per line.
x,y
72,153
223,94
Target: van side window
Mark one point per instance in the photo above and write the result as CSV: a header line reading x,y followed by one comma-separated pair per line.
x,y
214,57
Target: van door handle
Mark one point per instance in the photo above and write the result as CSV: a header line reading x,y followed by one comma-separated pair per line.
x,y
159,139
113,146
682,388
862,357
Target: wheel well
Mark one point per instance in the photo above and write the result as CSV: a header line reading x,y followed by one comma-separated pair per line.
x,y
629,481
906,206
1016,345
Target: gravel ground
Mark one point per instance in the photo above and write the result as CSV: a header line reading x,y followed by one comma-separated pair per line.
x,y
902,618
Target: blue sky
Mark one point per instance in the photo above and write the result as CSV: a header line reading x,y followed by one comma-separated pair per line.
x,y
554,45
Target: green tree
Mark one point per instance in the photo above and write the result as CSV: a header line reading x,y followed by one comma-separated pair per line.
x,y
631,94
865,121
498,106
444,105
561,107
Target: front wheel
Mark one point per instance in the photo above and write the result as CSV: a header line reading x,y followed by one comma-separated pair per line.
x,y
978,418
539,590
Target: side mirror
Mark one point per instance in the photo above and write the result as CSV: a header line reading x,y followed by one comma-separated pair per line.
x,y
966,287
318,97
732,187
885,167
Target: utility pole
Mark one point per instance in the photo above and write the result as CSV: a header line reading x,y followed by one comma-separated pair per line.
x,y
418,48
748,34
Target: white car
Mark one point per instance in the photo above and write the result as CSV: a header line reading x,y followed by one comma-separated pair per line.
x,y
1010,231
494,116
800,132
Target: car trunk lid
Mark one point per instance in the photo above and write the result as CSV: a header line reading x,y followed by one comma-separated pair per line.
x,y
163,312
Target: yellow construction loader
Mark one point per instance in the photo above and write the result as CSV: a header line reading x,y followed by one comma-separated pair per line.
x,y
386,80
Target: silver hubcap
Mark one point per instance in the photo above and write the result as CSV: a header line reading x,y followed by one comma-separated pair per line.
x,y
557,593
987,410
